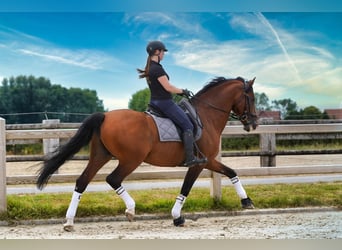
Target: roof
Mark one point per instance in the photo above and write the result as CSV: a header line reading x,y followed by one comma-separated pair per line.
x,y
334,113
268,114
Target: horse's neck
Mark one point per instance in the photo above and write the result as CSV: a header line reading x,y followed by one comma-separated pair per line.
x,y
213,112
215,107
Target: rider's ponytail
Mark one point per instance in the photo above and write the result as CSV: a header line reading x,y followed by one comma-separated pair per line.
x,y
145,73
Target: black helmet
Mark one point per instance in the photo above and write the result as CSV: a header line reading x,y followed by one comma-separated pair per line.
x,y
153,46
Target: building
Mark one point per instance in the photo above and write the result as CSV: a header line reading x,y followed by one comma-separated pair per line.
x,y
269,115
334,113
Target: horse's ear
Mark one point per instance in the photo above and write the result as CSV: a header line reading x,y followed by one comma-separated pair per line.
x,y
251,82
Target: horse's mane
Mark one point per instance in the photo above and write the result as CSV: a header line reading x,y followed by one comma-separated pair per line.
x,y
215,82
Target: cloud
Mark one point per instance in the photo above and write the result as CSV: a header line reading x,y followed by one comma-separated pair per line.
x,y
34,47
250,23
282,60
162,26
11,35
328,83
115,102
81,58
287,62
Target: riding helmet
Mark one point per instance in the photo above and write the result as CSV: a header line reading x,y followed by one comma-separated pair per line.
x,y
153,46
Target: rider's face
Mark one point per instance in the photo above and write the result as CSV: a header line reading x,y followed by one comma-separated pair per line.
x,y
160,53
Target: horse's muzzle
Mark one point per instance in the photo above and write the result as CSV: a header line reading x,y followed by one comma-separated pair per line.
x,y
250,124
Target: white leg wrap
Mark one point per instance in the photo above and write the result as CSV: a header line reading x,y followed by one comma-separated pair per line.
x,y
177,207
129,202
238,187
75,200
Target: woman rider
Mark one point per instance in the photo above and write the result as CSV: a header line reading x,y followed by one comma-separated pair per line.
x,y
161,97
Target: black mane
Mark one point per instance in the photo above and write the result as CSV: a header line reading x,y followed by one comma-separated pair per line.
x,y
215,82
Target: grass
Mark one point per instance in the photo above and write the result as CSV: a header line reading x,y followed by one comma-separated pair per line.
x,y
160,201
313,145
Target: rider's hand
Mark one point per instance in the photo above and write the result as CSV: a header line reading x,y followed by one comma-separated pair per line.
x,y
186,93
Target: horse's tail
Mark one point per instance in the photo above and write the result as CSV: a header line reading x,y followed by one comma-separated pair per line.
x,y
82,137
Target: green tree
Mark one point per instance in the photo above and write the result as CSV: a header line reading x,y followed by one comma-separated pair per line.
x,y
4,97
33,96
294,115
140,100
262,101
287,107
311,113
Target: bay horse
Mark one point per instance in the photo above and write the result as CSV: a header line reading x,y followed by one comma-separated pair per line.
x,y
132,138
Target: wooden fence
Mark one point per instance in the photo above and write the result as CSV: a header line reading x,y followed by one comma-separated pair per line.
x,y
50,132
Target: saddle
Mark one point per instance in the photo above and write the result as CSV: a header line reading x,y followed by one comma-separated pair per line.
x,y
167,130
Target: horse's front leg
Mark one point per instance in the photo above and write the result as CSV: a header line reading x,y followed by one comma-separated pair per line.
x,y
188,182
218,167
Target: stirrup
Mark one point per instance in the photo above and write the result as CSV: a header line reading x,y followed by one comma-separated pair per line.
x,y
195,161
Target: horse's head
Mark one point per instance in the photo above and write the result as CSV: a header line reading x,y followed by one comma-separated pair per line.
x,y
222,95
244,107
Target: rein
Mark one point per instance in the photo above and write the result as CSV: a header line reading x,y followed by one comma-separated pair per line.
x,y
210,105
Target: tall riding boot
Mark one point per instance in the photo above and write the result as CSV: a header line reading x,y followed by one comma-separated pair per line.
x,y
190,158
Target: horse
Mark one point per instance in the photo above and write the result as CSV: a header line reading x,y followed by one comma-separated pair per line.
x,y
132,138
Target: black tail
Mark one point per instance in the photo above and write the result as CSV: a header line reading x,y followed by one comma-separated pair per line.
x,y
83,136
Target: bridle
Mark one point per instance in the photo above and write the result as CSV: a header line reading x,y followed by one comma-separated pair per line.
x,y
246,116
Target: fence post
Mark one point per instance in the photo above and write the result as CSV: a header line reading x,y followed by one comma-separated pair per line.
x,y
267,150
49,145
3,196
215,181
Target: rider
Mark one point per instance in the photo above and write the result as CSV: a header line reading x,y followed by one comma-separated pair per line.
x,y
161,90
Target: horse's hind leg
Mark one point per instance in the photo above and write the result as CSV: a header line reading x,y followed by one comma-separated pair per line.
x,y
99,156
115,179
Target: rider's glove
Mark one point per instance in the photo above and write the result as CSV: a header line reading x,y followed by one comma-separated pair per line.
x,y
186,93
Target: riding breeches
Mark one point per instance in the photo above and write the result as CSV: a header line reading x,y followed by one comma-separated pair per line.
x,y
175,113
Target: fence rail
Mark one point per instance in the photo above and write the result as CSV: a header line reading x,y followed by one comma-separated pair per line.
x,y
268,134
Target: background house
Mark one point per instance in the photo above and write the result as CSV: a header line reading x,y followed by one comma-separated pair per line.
x,y
269,115
334,113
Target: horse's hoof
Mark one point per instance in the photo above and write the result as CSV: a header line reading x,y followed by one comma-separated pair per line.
x,y
68,228
130,214
247,203
179,222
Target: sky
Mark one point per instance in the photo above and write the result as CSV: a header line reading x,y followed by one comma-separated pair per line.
x,y
295,55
